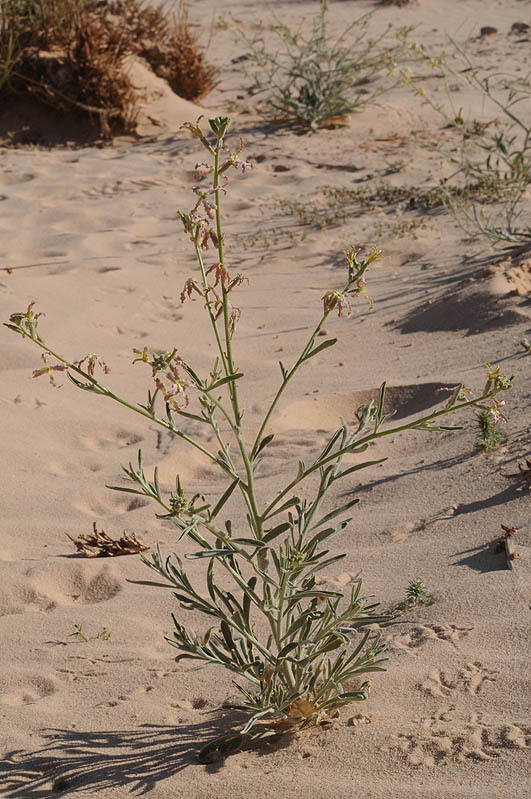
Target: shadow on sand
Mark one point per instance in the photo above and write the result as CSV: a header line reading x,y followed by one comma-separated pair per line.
x,y
71,760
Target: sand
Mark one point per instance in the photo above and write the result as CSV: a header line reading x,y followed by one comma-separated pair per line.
x,y
92,236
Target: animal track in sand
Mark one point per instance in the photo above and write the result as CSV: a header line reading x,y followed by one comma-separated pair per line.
x,y
141,690
14,178
74,676
421,633
183,704
164,310
402,531
24,689
34,403
44,587
471,679
115,439
135,694
129,186
451,734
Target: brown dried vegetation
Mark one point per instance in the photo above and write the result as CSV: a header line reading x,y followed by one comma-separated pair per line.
x,y
99,545
71,55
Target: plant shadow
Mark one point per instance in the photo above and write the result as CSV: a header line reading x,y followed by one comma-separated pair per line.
x,y
503,497
71,760
484,558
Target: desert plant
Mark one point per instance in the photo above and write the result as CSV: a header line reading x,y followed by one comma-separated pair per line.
x,y
490,436
495,153
79,633
170,47
289,640
312,79
64,54
71,55
417,593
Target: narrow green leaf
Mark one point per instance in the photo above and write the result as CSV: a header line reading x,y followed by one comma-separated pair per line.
x,y
294,598
336,512
227,635
381,401
194,416
262,444
357,468
325,563
329,445
209,553
197,380
83,386
287,649
126,490
269,535
320,347
210,580
247,599
223,380
285,505
322,535
224,498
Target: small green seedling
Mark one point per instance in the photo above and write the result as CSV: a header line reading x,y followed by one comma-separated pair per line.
x,y
417,593
79,633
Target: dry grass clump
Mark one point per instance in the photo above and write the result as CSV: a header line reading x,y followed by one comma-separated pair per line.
x,y
71,55
171,49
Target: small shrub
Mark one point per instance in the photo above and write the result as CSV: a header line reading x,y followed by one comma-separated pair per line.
x,y
312,79
495,153
171,49
70,54
266,619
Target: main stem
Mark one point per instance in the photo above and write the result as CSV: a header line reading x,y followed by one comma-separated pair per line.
x,y
249,488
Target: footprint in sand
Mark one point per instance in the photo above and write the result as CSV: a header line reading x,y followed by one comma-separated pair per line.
x,y
422,633
453,735
112,439
471,679
42,588
24,689
142,690
14,178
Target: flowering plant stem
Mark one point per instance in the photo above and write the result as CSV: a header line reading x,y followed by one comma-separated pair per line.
x,y
293,644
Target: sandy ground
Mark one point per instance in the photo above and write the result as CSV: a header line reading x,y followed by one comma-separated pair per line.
x,y
93,237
